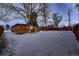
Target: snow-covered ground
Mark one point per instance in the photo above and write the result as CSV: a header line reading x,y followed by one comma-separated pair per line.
x,y
42,43
7,30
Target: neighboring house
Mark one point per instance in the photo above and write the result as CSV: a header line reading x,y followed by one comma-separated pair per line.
x,y
23,28
20,28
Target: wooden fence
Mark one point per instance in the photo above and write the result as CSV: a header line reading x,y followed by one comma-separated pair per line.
x,y
56,29
76,31
1,31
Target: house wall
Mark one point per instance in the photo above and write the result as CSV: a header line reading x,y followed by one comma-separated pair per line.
x,y
24,29
20,29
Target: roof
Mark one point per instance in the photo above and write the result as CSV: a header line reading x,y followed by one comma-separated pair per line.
x,y
20,24
14,22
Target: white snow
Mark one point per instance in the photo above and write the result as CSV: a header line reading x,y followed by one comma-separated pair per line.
x,y
42,43
7,30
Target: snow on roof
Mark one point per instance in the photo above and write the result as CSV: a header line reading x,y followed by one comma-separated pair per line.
x,y
18,21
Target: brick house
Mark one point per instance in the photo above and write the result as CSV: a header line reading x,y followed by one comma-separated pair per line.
x,y
23,28
20,28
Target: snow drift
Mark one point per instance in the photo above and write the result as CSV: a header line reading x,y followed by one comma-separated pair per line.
x,y
41,44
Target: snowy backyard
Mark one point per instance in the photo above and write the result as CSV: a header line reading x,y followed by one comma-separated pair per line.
x,y
39,29
55,43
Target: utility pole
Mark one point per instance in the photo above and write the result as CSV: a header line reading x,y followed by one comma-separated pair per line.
x,y
69,16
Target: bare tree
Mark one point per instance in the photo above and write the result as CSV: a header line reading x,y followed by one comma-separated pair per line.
x,y
57,19
45,12
24,9
4,13
77,6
